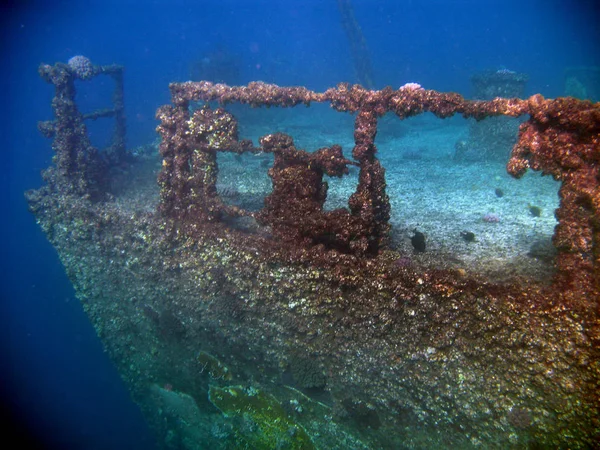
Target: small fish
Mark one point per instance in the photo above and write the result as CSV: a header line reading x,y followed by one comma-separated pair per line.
x,y
418,241
499,192
535,211
468,236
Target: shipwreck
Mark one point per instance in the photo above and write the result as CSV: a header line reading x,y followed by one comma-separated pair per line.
x,y
295,326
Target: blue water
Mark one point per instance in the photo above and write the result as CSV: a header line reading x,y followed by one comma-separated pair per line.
x,y
57,382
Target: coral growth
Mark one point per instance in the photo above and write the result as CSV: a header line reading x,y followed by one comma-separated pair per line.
x,y
415,357
560,138
307,373
79,168
491,218
81,66
266,424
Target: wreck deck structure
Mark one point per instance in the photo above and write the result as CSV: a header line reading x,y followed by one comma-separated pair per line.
x,y
302,330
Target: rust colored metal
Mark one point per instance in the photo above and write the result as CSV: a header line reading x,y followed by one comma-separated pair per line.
x,y
79,167
561,138
298,186
443,357
189,176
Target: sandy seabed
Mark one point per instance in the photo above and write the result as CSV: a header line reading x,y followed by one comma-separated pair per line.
x,y
429,190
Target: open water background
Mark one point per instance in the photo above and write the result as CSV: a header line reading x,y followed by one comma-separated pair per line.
x,y
56,380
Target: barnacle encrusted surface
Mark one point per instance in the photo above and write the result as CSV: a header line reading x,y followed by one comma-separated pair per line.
x,y
405,356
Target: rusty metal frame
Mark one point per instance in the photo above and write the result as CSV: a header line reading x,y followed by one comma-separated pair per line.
x,y
560,138
78,167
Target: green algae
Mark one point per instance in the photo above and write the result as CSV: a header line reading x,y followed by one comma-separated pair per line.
x,y
215,368
268,426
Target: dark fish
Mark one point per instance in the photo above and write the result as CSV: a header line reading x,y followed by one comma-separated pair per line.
x,y
468,236
535,211
499,192
418,241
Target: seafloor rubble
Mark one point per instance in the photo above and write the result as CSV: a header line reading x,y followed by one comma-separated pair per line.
x,y
297,327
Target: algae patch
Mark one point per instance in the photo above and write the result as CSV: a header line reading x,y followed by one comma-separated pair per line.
x,y
267,425
215,368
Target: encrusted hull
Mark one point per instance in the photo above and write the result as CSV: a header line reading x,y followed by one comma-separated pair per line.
x,y
403,363
297,327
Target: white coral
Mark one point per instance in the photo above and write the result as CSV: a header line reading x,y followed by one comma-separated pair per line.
x,y
411,87
81,66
